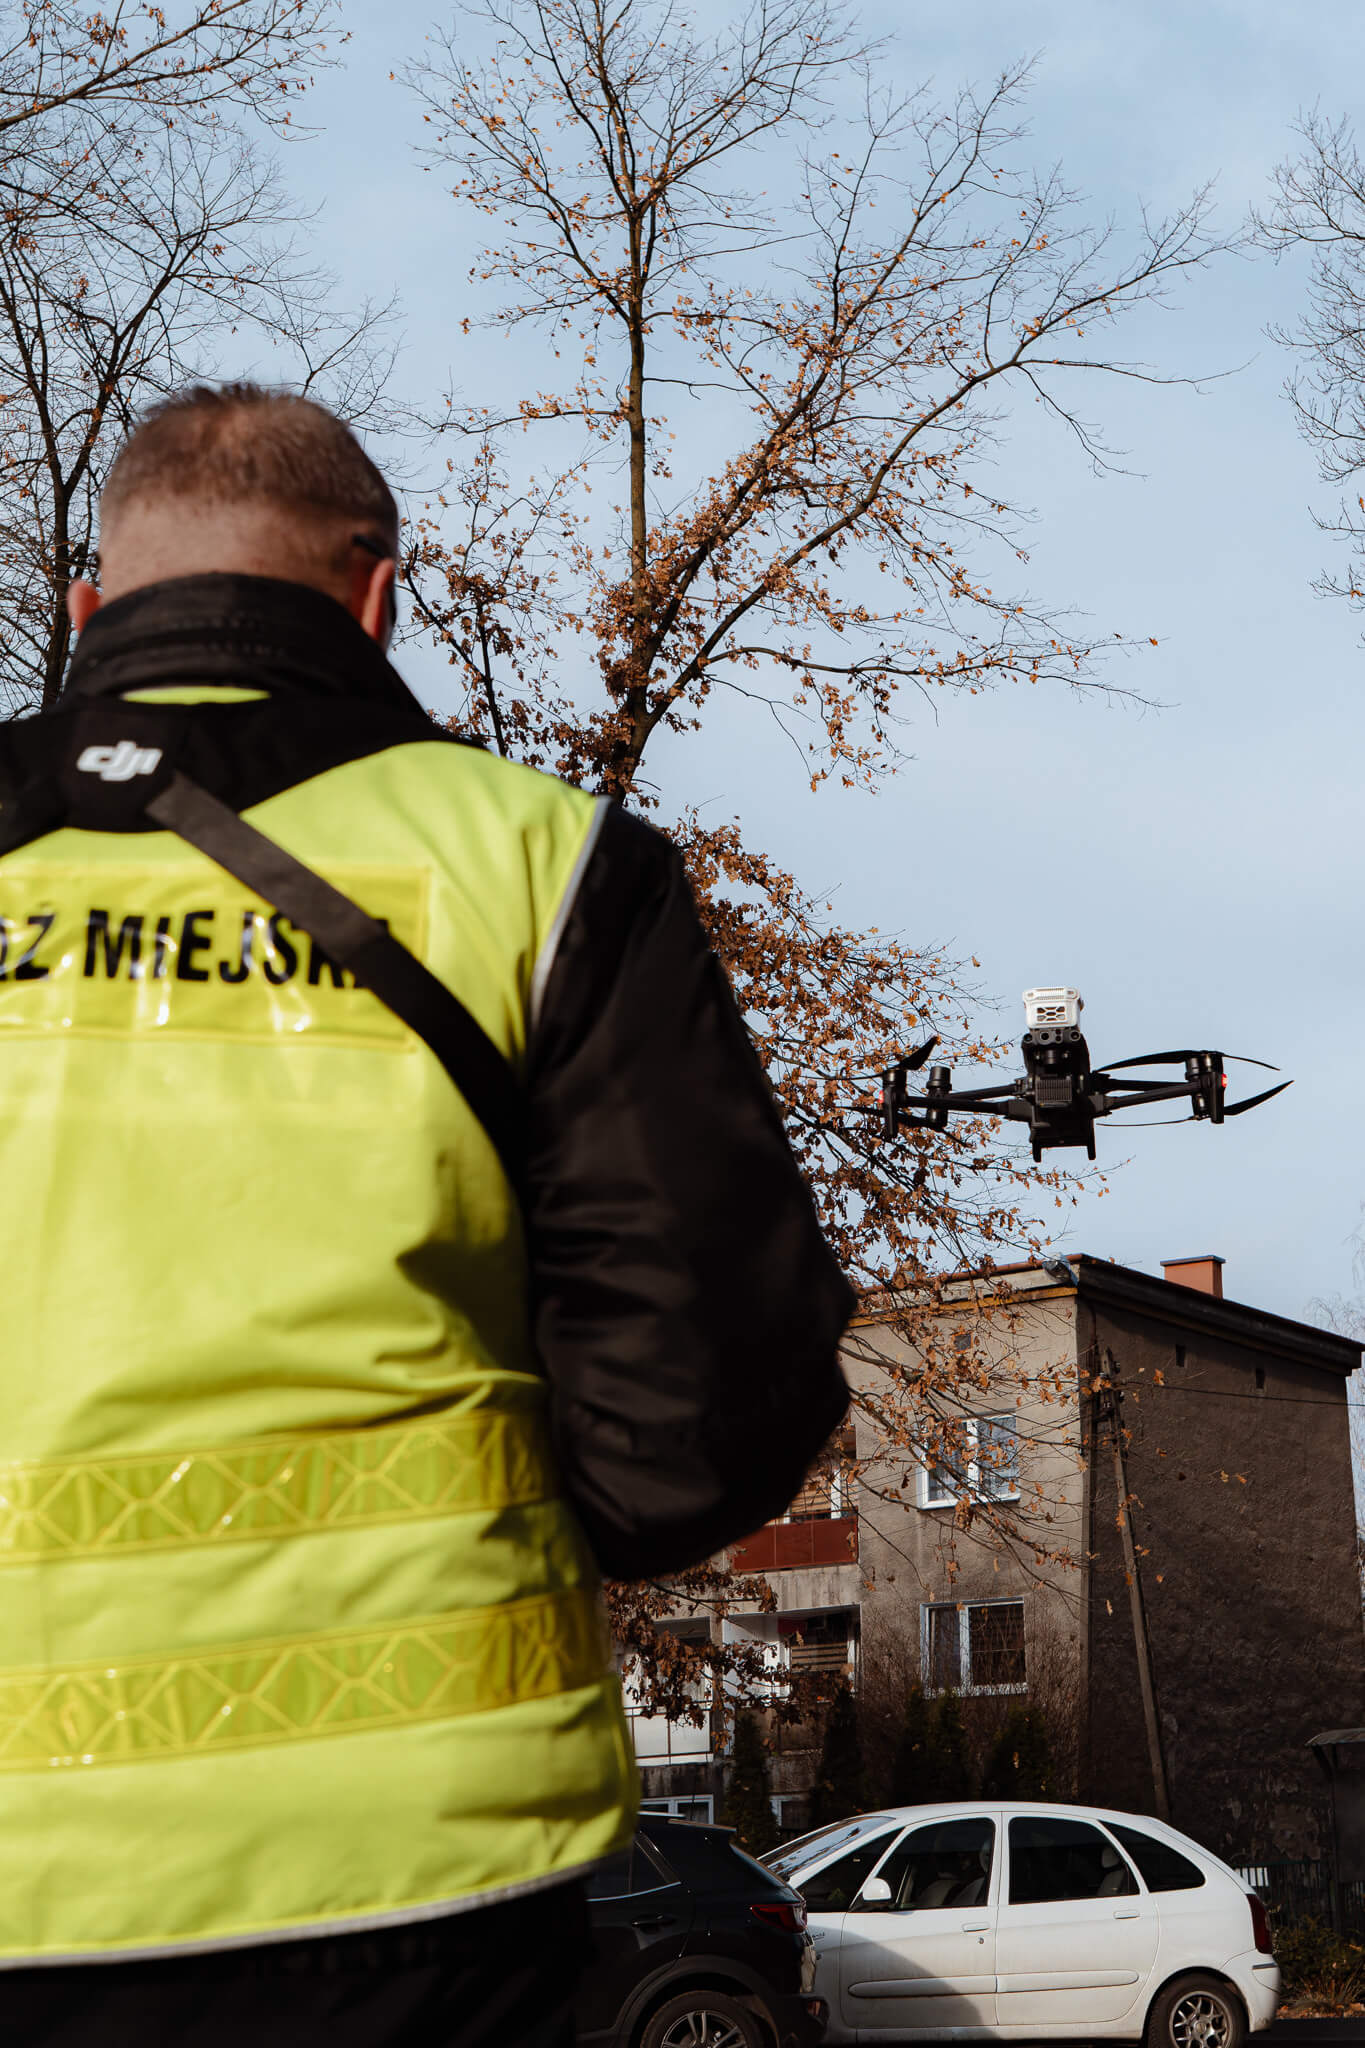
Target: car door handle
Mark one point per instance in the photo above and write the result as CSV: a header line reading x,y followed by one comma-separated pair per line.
x,y
1127,1912
976,1926
655,1920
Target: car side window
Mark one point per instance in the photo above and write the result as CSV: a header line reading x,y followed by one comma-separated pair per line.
x,y
651,1870
1051,1858
611,1880
947,1863
833,1889
640,1868
1162,1868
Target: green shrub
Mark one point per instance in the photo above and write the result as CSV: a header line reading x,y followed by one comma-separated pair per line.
x,y
1020,1765
841,1781
906,1784
748,1806
947,1764
1319,1966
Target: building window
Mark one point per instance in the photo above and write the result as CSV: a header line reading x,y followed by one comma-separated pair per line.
x,y
820,1498
974,1647
995,1644
703,1808
657,1739
942,1485
791,1811
942,1648
988,1466
997,1457
826,1492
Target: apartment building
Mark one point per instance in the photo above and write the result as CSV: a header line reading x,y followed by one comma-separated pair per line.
x,y
1144,1526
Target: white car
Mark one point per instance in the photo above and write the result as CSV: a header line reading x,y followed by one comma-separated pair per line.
x,y
998,1920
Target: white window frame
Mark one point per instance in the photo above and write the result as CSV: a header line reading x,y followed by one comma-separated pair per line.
x,y
978,1477
965,1689
673,1808
931,1494
658,1739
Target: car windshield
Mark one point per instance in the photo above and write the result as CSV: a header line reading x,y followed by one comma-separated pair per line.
x,y
795,1855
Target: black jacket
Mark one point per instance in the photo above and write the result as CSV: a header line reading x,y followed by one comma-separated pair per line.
x,y
687,1311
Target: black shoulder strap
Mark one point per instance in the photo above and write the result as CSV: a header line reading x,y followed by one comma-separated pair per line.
x,y
379,962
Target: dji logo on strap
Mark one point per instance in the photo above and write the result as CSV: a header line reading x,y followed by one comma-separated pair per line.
x,y
120,763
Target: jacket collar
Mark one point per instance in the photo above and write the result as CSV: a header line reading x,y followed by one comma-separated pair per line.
x,y
232,629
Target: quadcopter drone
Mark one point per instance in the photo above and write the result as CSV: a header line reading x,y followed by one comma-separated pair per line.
x,y
1059,1095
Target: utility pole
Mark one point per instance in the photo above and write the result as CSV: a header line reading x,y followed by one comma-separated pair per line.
x,y
1112,1411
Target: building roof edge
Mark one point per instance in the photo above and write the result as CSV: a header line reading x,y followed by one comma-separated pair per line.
x,y
1167,1301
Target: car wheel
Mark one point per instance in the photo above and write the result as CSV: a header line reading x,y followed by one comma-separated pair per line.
x,y
1197,2012
703,2019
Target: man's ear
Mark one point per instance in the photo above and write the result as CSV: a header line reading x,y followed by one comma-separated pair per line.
x,y
372,596
82,602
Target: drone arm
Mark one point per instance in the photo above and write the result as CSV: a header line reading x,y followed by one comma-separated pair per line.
x,y
1102,1081
966,1098
999,1101
1104,1104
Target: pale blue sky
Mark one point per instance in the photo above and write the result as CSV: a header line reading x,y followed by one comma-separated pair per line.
x,y
1195,871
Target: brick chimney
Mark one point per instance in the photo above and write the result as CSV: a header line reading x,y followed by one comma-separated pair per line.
x,y
1205,1275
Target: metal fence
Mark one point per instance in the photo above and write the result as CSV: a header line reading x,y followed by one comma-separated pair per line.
x,y
1304,1891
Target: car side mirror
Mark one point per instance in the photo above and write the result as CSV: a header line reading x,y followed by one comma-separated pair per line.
x,y
876,1892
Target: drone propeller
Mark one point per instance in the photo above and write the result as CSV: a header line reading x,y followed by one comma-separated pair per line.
x,y
1253,1101
1161,1059
1169,1123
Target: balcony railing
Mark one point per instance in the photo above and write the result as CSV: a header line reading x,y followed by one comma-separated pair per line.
x,y
786,1546
818,1656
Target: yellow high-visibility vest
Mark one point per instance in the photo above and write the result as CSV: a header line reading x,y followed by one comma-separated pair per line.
x,y
296,1632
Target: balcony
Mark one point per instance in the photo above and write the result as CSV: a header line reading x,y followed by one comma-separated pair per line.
x,y
820,1657
786,1546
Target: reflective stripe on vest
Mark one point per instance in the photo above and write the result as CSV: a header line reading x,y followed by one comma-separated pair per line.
x,y
254,1693
273,1486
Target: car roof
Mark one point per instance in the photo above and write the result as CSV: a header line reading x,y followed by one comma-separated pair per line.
x,y
955,1808
670,1822
1075,1809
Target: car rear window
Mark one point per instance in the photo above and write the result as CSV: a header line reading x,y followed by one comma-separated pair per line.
x,y
753,1869
1163,1869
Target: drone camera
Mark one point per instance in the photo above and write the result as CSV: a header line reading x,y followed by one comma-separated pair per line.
x,y
1046,1008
